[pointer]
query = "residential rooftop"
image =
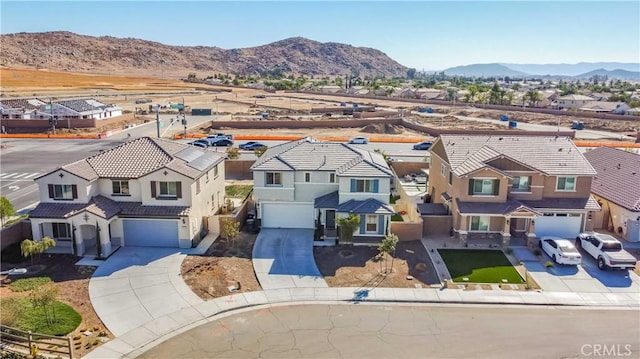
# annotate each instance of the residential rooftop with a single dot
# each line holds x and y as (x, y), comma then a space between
(618, 178)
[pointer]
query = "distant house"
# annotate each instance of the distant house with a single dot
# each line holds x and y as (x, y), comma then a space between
(20, 109)
(633, 111)
(572, 102)
(617, 189)
(605, 107)
(600, 96)
(430, 94)
(331, 89)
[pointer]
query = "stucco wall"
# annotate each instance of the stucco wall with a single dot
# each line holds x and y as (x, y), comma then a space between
(436, 225)
(407, 231)
(15, 233)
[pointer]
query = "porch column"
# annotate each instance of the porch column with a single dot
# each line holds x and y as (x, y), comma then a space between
(531, 233)
(506, 232)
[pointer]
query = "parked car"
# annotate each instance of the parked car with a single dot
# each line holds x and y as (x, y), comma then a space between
(222, 142)
(607, 250)
(424, 145)
(562, 251)
(220, 135)
(359, 140)
(252, 145)
(199, 143)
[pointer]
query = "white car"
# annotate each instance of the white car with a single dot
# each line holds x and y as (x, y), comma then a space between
(562, 251)
(359, 140)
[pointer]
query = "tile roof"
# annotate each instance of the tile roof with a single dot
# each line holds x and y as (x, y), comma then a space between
(142, 156)
(81, 105)
(536, 207)
(618, 178)
(588, 203)
(28, 104)
(551, 155)
(367, 206)
(575, 98)
(106, 208)
(500, 208)
(433, 209)
(307, 155)
(329, 200)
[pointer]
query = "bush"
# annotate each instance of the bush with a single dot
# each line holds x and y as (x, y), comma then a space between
(23, 285)
(549, 264)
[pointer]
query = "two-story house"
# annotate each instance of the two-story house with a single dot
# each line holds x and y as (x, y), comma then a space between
(525, 186)
(305, 183)
(146, 192)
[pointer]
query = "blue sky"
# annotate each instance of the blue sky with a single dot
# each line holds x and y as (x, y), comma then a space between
(426, 35)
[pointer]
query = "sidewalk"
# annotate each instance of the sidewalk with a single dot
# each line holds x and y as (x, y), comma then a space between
(140, 339)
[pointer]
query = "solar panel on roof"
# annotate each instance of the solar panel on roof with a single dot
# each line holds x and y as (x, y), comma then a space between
(188, 154)
(204, 161)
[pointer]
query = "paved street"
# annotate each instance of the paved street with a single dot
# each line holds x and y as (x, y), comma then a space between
(407, 331)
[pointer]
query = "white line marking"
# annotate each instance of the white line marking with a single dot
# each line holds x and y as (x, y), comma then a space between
(21, 175)
(33, 175)
(7, 175)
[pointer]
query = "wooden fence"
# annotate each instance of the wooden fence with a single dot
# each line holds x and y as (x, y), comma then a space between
(19, 341)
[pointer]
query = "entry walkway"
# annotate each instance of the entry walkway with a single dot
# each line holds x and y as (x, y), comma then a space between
(283, 258)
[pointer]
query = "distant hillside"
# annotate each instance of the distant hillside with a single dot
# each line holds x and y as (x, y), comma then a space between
(67, 51)
(572, 69)
(615, 74)
(483, 70)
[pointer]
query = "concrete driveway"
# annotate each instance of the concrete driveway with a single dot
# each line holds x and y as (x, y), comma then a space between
(585, 278)
(137, 285)
(283, 258)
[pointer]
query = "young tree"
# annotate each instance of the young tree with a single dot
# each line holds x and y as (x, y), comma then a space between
(230, 230)
(30, 248)
(233, 153)
(6, 209)
(45, 297)
(348, 225)
(388, 248)
(259, 151)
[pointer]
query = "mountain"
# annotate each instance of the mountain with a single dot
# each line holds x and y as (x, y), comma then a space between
(67, 51)
(483, 70)
(614, 74)
(571, 69)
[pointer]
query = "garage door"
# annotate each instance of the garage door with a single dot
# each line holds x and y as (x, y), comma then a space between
(289, 215)
(558, 226)
(153, 233)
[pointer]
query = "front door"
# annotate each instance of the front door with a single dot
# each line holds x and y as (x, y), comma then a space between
(331, 219)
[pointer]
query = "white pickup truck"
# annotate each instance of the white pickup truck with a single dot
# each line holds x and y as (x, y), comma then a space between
(607, 250)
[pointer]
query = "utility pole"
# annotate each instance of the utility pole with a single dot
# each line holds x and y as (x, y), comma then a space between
(53, 120)
(158, 121)
(184, 118)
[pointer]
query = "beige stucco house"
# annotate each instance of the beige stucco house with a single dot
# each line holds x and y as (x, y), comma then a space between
(522, 186)
(146, 192)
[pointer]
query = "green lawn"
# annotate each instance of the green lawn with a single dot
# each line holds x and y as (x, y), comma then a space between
(20, 313)
(238, 191)
(480, 266)
(23, 285)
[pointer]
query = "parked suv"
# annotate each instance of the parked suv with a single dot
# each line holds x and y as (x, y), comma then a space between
(607, 250)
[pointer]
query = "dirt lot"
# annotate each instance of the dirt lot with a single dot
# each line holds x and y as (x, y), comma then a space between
(73, 288)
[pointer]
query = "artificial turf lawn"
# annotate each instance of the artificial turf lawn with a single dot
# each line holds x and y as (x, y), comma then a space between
(480, 266)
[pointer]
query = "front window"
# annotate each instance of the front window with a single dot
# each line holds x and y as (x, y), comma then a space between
(307, 177)
(274, 179)
(480, 223)
(62, 191)
(332, 178)
(443, 169)
(363, 186)
(61, 231)
(485, 187)
(168, 189)
(521, 184)
(372, 223)
(120, 188)
(566, 184)
(206, 176)
(215, 172)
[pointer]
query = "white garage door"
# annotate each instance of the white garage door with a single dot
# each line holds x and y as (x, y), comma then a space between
(152, 233)
(558, 226)
(289, 215)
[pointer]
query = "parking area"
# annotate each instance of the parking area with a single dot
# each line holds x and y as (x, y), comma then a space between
(584, 278)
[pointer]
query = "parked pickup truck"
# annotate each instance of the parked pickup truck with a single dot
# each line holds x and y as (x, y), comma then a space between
(220, 135)
(607, 250)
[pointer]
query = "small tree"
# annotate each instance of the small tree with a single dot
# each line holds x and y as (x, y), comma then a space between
(230, 230)
(30, 248)
(44, 297)
(233, 153)
(348, 225)
(6, 209)
(388, 248)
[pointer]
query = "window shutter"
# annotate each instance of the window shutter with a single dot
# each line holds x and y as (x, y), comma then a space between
(496, 187)
(380, 224)
(153, 189)
(353, 185)
(74, 191)
(51, 194)
(363, 220)
(375, 186)
(471, 182)
(198, 186)
(179, 189)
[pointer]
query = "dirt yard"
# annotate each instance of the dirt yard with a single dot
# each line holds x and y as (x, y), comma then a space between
(351, 266)
(73, 288)
(219, 271)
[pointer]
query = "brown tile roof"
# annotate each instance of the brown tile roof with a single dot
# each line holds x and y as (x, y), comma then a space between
(551, 155)
(618, 178)
(536, 207)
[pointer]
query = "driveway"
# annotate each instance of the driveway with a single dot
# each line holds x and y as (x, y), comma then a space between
(137, 285)
(283, 258)
(585, 278)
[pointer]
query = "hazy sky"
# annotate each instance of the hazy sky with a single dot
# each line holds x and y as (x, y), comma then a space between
(426, 35)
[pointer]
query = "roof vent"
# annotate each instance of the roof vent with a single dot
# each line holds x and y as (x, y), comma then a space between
(619, 166)
(500, 138)
(560, 149)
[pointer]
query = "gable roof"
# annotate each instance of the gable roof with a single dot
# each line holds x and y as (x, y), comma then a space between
(305, 155)
(142, 156)
(575, 98)
(618, 178)
(367, 206)
(551, 155)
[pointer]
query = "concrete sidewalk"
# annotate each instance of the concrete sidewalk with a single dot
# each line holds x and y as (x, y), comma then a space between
(140, 339)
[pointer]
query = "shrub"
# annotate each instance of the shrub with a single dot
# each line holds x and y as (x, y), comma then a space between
(23, 285)
(549, 264)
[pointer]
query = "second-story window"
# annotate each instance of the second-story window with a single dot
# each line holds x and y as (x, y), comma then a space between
(450, 178)
(521, 184)
(215, 171)
(274, 179)
(168, 189)
(364, 185)
(120, 188)
(307, 177)
(63, 191)
(332, 178)
(566, 184)
(484, 187)
(443, 170)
